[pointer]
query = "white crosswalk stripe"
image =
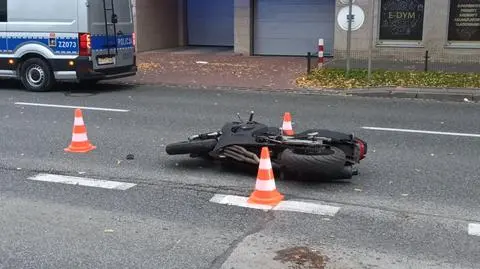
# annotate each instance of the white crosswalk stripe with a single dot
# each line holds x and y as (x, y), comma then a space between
(288, 205)
(88, 182)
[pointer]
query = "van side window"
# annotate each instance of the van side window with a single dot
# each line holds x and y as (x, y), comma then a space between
(3, 10)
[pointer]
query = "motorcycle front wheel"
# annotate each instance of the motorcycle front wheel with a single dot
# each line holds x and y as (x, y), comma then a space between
(198, 147)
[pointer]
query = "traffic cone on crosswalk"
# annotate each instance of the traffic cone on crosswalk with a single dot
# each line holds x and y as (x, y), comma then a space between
(287, 128)
(265, 190)
(80, 142)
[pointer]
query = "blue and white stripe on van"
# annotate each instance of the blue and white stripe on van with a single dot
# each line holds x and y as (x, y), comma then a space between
(122, 42)
(57, 43)
(60, 43)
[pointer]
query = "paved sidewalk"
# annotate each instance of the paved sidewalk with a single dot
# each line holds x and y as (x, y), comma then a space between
(221, 69)
(214, 67)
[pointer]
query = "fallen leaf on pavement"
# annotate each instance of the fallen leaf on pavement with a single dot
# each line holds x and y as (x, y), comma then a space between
(148, 66)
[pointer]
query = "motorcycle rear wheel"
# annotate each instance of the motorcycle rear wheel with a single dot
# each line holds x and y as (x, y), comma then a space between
(330, 163)
(198, 147)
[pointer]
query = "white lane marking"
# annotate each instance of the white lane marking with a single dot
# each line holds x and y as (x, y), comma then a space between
(474, 229)
(420, 131)
(81, 107)
(88, 182)
(309, 208)
(237, 201)
(294, 206)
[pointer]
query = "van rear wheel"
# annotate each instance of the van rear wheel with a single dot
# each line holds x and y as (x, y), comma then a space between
(36, 75)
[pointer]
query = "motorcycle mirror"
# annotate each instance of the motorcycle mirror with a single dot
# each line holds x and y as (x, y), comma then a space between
(251, 116)
(240, 118)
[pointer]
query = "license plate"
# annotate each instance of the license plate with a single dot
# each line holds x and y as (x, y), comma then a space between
(106, 60)
(127, 55)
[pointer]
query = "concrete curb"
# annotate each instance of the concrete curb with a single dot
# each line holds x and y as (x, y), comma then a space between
(460, 95)
(456, 95)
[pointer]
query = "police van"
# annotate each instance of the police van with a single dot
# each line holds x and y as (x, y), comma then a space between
(45, 41)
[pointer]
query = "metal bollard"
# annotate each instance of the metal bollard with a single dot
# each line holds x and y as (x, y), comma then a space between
(309, 62)
(426, 61)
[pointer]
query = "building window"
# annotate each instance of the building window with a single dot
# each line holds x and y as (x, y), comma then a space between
(464, 20)
(401, 20)
(3, 10)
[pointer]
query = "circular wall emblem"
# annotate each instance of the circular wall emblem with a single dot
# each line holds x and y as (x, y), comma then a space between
(358, 18)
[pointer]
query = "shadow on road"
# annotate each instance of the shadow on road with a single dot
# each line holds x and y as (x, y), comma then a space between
(197, 165)
(73, 89)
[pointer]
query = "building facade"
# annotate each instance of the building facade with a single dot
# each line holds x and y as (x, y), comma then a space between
(293, 27)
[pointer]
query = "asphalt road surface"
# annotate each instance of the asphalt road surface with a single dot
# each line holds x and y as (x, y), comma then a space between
(415, 203)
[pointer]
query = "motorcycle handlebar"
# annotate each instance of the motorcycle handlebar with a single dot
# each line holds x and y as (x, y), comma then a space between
(204, 136)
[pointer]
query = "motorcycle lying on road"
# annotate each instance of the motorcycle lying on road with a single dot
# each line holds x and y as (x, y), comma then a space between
(325, 153)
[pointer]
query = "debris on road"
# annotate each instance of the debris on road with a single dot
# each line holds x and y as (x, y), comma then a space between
(302, 258)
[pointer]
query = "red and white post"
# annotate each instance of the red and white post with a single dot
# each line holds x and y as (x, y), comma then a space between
(320, 52)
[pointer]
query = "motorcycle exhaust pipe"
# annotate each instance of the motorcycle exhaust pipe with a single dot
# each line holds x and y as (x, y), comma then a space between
(238, 157)
(245, 152)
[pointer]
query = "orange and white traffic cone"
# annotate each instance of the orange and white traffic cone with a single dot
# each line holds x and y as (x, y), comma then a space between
(265, 190)
(287, 124)
(80, 142)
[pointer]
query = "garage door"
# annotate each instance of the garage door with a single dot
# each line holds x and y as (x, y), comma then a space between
(210, 22)
(292, 27)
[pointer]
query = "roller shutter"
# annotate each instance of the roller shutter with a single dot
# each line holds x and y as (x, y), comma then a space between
(292, 27)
